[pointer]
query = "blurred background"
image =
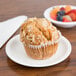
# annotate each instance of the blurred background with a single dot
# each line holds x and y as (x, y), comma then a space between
(12, 8)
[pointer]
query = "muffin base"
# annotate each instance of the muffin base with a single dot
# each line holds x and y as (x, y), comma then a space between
(41, 53)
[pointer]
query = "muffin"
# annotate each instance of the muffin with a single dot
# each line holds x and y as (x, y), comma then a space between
(39, 37)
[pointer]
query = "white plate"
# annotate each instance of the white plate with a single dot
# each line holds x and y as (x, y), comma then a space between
(15, 51)
(58, 23)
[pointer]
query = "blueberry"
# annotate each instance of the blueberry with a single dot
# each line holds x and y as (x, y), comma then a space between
(61, 13)
(58, 14)
(59, 18)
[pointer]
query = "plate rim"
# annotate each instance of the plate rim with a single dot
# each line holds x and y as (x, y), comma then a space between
(27, 65)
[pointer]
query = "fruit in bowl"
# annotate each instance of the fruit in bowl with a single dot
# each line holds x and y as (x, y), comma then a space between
(63, 14)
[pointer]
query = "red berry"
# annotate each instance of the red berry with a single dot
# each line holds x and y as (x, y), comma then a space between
(67, 17)
(62, 8)
(66, 20)
(72, 11)
(72, 14)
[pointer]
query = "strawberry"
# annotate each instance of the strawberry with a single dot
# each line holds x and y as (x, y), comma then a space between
(67, 17)
(72, 11)
(62, 8)
(72, 14)
(66, 20)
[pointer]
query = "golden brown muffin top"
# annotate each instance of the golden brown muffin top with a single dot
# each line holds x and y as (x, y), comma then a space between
(36, 31)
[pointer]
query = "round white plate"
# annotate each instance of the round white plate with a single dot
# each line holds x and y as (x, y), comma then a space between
(58, 23)
(15, 51)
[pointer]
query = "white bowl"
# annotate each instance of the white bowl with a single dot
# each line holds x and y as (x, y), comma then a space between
(58, 23)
